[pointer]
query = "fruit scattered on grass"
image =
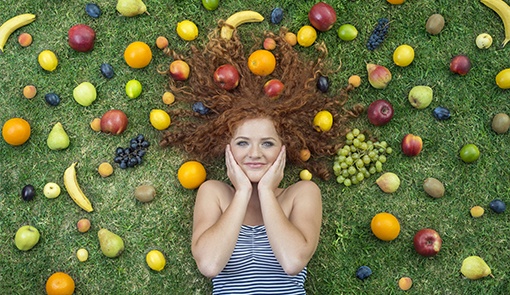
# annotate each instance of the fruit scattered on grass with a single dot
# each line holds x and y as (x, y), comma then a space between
(405, 283)
(29, 91)
(107, 70)
(16, 131)
(133, 88)
(403, 55)
(354, 80)
(378, 76)
(81, 38)
(389, 182)
(82, 254)
(159, 119)
(187, 30)
(60, 283)
(269, 44)
(261, 62)
(28, 192)
(378, 34)
(155, 260)
(434, 24)
(211, 4)
(304, 154)
(138, 55)
(323, 121)
(52, 99)
(396, 2)
(191, 174)
(363, 272)
(323, 83)
(114, 122)
(85, 93)
(95, 124)
(276, 16)
(290, 38)
(162, 42)
(47, 60)
(168, 98)
(441, 113)
(199, 107)
(433, 187)
(483, 41)
(83, 225)
(105, 169)
(179, 70)
(25, 39)
(469, 153)
(476, 211)
(497, 205)
(305, 174)
(132, 155)
(500, 123)
(131, 8)
(347, 32)
(93, 10)
(145, 193)
(306, 36)
(385, 226)
(322, 16)
(51, 190)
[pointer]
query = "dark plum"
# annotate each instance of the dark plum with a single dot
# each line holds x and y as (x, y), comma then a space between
(93, 10)
(276, 15)
(52, 99)
(200, 108)
(28, 192)
(323, 84)
(441, 113)
(497, 206)
(363, 272)
(107, 70)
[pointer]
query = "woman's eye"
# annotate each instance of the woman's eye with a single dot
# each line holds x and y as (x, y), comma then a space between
(242, 143)
(268, 144)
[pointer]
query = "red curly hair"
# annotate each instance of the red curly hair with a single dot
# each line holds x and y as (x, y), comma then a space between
(205, 136)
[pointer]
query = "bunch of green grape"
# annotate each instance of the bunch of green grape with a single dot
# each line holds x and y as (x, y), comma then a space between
(359, 158)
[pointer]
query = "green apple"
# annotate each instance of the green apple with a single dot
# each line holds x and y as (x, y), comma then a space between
(26, 237)
(469, 153)
(58, 138)
(51, 190)
(133, 88)
(347, 32)
(85, 94)
(420, 96)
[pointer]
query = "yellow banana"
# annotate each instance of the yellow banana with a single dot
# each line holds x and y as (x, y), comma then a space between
(74, 190)
(503, 10)
(237, 19)
(12, 25)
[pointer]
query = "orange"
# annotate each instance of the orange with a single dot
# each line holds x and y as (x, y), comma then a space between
(60, 283)
(385, 226)
(138, 55)
(191, 174)
(16, 131)
(261, 62)
(396, 1)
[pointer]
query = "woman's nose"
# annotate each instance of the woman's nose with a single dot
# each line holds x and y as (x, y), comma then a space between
(254, 152)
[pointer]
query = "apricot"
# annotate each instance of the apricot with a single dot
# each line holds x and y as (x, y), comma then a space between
(168, 97)
(162, 42)
(476, 211)
(95, 124)
(83, 225)
(405, 283)
(25, 39)
(355, 81)
(29, 91)
(291, 38)
(304, 154)
(269, 44)
(105, 169)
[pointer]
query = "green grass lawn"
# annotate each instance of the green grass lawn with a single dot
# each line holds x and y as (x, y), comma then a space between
(165, 224)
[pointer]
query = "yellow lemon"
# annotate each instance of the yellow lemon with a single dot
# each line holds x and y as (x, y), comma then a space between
(305, 174)
(323, 121)
(159, 119)
(155, 260)
(503, 79)
(306, 36)
(48, 60)
(403, 55)
(187, 30)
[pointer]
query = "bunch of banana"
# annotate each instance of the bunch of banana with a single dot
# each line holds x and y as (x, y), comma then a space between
(503, 10)
(12, 25)
(237, 19)
(74, 190)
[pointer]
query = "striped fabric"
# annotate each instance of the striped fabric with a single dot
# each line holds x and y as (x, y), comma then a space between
(253, 268)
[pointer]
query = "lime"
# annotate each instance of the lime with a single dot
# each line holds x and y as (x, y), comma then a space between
(347, 32)
(133, 88)
(469, 153)
(211, 4)
(403, 55)
(159, 119)
(48, 60)
(323, 121)
(155, 260)
(187, 30)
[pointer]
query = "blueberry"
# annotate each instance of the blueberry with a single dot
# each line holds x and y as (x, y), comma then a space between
(140, 138)
(132, 162)
(441, 113)
(200, 108)
(276, 15)
(93, 10)
(107, 70)
(119, 151)
(28, 192)
(123, 165)
(52, 99)
(323, 84)
(497, 206)
(363, 272)
(141, 153)
(117, 159)
(145, 144)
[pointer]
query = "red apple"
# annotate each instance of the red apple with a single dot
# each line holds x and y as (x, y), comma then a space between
(226, 77)
(411, 145)
(273, 88)
(460, 64)
(380, 112)
(114, 122)
(81, 37)
(179, 70)
(427, 242)
(322, 16)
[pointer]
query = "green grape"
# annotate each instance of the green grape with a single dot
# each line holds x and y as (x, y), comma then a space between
(355, 132)
(345, 173)
(378, 166)
(351, 170)
(372, 169)
(344, 152)
(356, 142)
(382, 150)
(363, 170)
(361, 137)
(389, 150)
(340, 179)
(353, 149)
(336, 168)
(341, 159)
(349, 136)
(364, 146)
(360, 176)
(360, 163)
(366, 159)
(348, 142)
(349, 160)
(354, 180)
(372, 154)
(355, 156)
(344, 165)
(369, 142)
(383, 144)
(347, 182)
(367, 174)
(382, 159)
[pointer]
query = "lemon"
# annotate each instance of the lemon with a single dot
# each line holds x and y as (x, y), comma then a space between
(159, 119)
(323, 121)
(187, 30)
(403, 55)
(155, 260)
(306, 36)
(503, 79)
(305, 174)
(48, 60)
(133, 88)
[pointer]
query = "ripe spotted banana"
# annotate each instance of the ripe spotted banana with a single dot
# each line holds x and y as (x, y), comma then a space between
(237, 19)
(12, 25)
(74, 190)
(503, 10)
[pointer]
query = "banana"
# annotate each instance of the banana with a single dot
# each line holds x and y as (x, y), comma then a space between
(503, 10)
(237, 19)
(12, 25)
(74, 190)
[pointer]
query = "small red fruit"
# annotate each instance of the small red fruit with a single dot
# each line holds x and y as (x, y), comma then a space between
(273, 88)
(81, 37)
(460, 64)
(114, 122)
(226, 77)
(427, 242)
(411, 145)
(179, 70)
(380, 112)
(322, 16)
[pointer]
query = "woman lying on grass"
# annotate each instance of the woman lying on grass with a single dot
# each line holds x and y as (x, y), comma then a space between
(250, 235)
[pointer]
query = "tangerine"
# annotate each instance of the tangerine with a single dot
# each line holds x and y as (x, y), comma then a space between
(261, 62)
(191, 174)
(138, 55)
(385, 226)
(396, 1)
(60, 283)
(16, 131)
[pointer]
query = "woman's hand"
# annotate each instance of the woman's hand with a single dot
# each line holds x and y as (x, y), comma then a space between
(272, 178)
(234, 172)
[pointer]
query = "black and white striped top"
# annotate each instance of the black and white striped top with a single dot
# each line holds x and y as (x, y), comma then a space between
(253, 268)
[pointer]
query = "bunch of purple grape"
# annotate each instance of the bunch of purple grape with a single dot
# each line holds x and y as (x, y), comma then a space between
(378, 34)
(132, 155)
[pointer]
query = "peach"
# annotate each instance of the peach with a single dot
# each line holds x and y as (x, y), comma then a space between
(269, 44)
(304, 154)
(25, 39)
(83, 225)
(29, 91)
(405, 283)
(291, 38)
(179, 70)
(355, 81)
(161, 42)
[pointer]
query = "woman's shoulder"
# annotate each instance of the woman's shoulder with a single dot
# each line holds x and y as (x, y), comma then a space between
(305, 186)
(212, 185)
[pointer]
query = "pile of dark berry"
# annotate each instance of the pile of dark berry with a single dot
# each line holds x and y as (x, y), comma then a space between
(132, 155)
(378, 34)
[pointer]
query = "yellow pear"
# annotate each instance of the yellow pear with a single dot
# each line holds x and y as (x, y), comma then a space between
(111, 244)
(131, 7)
(475, 268)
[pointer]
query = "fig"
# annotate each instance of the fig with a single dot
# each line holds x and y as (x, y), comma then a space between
(145, 193)
(435, 24)
(433, 187)
(500, 123)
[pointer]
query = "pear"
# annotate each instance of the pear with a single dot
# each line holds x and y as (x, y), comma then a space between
(475, 268)
(111, 244)
(389, 182)
(58, 138)
(131, 7)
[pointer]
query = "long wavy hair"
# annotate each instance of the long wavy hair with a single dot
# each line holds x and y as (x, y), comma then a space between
(205, 136)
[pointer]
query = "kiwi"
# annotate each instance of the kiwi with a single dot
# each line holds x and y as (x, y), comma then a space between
(433, 187)
(145, 193)
(501, 123)
(435, 24)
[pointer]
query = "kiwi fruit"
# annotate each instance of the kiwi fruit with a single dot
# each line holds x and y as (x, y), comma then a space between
(435, 24)
(433, 187)
(145, 193)
(501, 123)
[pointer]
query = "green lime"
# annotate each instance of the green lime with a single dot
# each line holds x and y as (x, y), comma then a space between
(133, 88)
(211, 4)
(469, 153)
(347, 32)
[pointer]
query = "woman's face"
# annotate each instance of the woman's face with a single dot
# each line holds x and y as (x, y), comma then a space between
(255, 146)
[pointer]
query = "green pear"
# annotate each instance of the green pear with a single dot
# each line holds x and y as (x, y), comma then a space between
(131, 7)
(475, 268)
(420, 96)
(58, 138)
(111, 244)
